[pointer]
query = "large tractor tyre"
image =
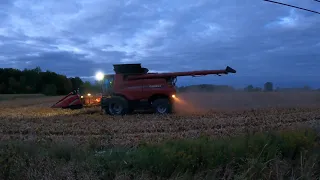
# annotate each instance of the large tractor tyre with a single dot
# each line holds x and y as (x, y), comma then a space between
(162, 106)
(117, 106)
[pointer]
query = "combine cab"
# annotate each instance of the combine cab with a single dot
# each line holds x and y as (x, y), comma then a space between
(76, 101)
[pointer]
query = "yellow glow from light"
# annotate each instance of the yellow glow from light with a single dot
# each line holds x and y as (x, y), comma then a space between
(99, 76)
(81, 96)
(174, 96)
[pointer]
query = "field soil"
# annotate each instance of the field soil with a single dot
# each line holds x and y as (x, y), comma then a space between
(213, 114)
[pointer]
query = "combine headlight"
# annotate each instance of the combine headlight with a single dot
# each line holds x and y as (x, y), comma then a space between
(173, 96)
(89, 94)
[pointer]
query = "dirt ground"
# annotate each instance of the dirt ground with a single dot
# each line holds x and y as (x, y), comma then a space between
(213, 114)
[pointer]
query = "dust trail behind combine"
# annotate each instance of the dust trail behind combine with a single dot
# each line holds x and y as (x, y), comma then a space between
(192, 102)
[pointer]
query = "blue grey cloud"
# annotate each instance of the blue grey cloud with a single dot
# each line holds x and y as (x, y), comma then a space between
(261, 40)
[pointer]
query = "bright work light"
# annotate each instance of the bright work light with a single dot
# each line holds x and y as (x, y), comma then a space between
(99, 76)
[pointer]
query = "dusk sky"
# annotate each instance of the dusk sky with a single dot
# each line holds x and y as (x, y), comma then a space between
(261, 40)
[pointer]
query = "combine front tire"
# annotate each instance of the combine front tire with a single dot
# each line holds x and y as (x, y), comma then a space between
(117, 106)
(162, 106)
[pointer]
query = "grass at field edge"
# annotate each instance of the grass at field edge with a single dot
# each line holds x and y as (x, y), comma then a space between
(273, 155)
(20, 96)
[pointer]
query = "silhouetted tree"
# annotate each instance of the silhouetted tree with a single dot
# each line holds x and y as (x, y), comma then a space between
(50, 89)
(35, 81)
(257, 89)
(249, 88)
(76, 82)
(268, 86)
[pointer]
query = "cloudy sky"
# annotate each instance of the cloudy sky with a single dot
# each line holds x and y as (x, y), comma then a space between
(261, 40)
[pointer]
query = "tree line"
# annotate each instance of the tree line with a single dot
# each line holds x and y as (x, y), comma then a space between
(34, 81)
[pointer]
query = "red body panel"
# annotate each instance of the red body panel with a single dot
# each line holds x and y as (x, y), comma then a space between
(132, 90)
(156, 86)
(141, 88)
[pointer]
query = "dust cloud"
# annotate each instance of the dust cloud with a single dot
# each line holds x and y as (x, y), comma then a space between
(194, 102)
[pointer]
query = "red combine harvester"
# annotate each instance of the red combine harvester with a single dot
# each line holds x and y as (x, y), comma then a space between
(132, 88)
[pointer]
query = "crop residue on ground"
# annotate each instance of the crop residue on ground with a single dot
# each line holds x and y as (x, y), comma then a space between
(30, 119)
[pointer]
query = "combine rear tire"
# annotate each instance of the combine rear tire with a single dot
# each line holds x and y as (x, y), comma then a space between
(117, 106)
(162, 106)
